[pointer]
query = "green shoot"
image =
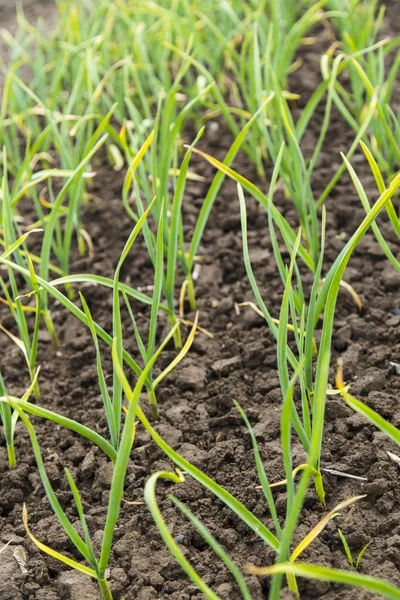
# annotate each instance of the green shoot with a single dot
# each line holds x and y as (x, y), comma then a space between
(348, 552)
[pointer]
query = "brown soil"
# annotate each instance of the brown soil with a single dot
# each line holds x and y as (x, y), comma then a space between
(197, 414)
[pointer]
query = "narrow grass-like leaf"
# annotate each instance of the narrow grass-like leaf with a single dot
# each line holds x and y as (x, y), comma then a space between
(361, 130)
(371, 584)
(361, 553)
(344, 256)
(158, 283)
(61, 516)
(381, 187)
(270, 321)
(346, 547)
(53, 291)
(109, 283)
(253, 522)
(100, 375)
(373, 417)
(262, 476)
(185, 349)
(217, 182)
(117, 322)
(21, 240)
(138, 337)
(366, 205)
(122, 460)
(172, 545)
(53, 553)
(314, 533)
(79, 508)
(217, 548)
(287, 389)
(44, 413)
(327, 301)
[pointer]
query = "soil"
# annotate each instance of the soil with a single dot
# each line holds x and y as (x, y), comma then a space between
(197, 416)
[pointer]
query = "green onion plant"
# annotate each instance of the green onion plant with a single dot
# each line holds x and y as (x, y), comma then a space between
(118, 83)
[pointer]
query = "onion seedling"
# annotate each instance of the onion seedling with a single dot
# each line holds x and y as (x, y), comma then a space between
(310, 571)
(353, 563)
(359, 28)
(98, 566)
(13, 243)
(9, 417)
(373, 417)
(326, 301)
(112, 406)
(27, 341)
(257, 526)
(313, 391)
(358, 24)
(172, 221)
(293, 170)
(107, 74)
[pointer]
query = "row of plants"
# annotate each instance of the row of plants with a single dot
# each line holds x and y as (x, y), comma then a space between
(124, 79)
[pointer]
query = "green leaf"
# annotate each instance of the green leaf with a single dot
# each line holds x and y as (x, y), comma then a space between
(361, 553)
(79, 507)
(172, 545)
(373, 417)
(371, 584)
(251, 521)
(346, 547)
(218, 549)
(262, 476)
(61, 516)
(82, 430)
(53, 553)
(101, 377)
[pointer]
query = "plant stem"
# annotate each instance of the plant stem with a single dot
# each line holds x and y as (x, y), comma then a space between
(36, 389)
(153, 405)
(177, 334)
(12, 460)
(69, 290)
(50, 327)
(319, 487)
(105, 589)
(191, 293)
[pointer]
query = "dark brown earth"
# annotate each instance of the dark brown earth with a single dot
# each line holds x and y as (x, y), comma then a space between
(197, 414)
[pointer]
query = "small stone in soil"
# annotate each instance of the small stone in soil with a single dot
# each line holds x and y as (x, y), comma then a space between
(259, 256)
(391, 278)
(393, 321)
(224, 366)
(8, 570)
(395, 368)
(104, 475)
(372, 380)
(88, 465)
(195, 455)
(191, 377)
(225, 306)
(169, 433)
(179, 538)
(78, 586)
(376, 488)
